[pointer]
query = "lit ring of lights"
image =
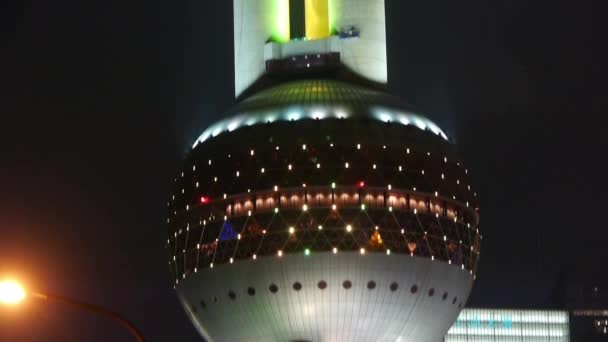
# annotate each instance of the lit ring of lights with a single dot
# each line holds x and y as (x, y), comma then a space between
(316, 113)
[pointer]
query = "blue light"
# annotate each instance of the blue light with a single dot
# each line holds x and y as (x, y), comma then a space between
(228, 232)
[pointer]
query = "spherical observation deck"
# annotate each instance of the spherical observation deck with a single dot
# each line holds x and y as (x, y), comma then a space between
(323, 211)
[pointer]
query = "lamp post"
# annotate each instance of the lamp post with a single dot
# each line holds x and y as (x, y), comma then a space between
(12, 293)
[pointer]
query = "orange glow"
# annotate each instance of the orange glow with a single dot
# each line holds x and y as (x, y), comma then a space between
(376, 240)
(372, 200)
(412, 246)
(11, 292)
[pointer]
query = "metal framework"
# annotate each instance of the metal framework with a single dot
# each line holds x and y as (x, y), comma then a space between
(275, 196)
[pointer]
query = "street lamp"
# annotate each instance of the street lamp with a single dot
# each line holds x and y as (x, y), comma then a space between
(12, 293)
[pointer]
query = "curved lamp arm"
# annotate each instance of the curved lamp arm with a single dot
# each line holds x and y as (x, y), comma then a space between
(94, 309)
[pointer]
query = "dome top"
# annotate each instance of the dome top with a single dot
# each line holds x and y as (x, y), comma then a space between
(317, 100)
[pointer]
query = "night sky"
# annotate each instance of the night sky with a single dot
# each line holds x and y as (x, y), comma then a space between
(100, 101)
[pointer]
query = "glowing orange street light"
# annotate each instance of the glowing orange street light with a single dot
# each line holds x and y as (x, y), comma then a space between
(13, 293)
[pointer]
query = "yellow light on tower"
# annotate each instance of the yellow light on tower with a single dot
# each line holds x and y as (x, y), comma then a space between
(317, 19)
(11, 292)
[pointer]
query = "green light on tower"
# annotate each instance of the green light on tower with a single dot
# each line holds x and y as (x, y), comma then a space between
(333, 16)
(307, 252)
(280, 16)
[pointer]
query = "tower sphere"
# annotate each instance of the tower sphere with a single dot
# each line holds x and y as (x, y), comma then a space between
(322, 209)
(249, 258)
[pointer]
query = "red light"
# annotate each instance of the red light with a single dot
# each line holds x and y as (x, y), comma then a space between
(361, 184)
(205, 200)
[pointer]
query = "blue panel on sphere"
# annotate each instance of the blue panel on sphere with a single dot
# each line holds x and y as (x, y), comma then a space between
(228, 232)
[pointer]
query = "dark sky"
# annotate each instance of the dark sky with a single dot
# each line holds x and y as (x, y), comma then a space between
(99, 101)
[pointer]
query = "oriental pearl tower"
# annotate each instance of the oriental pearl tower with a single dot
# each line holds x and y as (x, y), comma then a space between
(320, 208)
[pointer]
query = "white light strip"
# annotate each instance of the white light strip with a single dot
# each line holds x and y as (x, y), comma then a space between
(529, 332)
(315, 113)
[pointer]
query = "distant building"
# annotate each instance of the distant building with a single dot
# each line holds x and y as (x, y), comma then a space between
(492, 325)
(587, 301)
(579, 312)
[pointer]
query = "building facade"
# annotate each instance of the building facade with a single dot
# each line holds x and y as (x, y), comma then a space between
(493, 325)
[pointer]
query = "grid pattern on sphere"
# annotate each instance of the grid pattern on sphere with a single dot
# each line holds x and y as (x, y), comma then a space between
(316, 92)
(436, 218)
